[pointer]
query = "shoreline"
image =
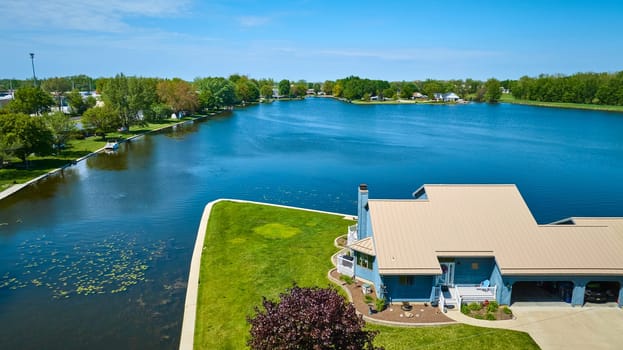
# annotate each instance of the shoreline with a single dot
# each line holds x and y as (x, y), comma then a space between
(563, 105)
(18, 187)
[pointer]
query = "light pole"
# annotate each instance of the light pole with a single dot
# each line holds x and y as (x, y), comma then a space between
(32, 61)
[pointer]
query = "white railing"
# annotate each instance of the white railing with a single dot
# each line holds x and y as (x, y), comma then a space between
(442, 300)
(472, 292)
(352, 234)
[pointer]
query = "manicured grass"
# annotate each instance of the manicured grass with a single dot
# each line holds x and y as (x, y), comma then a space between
(508, 98)
(73, 150)
(252, 251)
(459, 336)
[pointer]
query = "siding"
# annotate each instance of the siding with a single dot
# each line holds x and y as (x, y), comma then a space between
(419, 291)
(464, 274)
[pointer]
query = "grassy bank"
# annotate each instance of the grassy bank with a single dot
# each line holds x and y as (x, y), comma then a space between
(508, 98)
(17, 173)
(253, 250)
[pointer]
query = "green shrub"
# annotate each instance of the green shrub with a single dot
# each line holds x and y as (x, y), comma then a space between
(347, 279)
(489, 316)
(478, 316)
(367, 298)
(465, 309)
(379, 304)
(493, 306)
(475, 306)
(506, 310)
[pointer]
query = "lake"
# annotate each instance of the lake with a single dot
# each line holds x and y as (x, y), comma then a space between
(98, 256)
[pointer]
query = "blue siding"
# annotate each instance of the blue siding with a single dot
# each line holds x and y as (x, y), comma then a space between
(464, 274)
(503, 292)
(362, 272)
(419, 290)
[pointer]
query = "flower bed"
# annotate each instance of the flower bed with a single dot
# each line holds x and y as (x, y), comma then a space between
(487, 311)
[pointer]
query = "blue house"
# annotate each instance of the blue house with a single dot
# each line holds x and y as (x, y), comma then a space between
(460, 243)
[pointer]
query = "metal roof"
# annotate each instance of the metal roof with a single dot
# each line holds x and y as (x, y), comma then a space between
(365, 246)
(489, 221)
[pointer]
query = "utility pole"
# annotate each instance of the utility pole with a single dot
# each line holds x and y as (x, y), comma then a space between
(32, 61)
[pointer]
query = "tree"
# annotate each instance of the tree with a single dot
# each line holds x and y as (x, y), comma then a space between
(308, 318)
(56, 86)
(31, 100)
(493, 90)
(102, 119)
(25, 135)
(78, 104)
(215, 92)
(128, 97)
(178, 94)
(327, 87)
(284, 87)
(61, 126)
(246, 90)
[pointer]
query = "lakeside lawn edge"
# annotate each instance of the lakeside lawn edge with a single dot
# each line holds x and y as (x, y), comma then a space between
(19, 186)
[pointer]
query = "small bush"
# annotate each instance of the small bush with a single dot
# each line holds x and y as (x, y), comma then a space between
(479, 316)
(346, 279)
(379, 304)
(474, 306)
(506, 310)
(367, 298)
(489, 316)
(465, 309)
(493, 306)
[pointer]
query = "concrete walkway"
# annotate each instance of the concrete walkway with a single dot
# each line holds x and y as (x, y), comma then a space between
(561, 327)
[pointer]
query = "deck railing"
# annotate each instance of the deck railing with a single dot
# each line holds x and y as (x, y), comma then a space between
(352, 234)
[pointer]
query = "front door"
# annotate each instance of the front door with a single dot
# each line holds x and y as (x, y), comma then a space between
(447, 274)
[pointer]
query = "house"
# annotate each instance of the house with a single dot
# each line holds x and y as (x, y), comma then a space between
(450, 97)
(453, 244)
(419, 96)
(437, 96)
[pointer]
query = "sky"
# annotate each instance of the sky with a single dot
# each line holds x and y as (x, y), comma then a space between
(311, 40)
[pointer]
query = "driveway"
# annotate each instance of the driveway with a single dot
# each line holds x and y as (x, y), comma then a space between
(562, 327)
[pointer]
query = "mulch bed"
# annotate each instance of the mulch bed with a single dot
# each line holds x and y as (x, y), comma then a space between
(421, 313)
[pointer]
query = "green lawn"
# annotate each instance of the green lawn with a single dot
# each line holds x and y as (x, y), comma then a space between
(510, 99)
(459, 336)
(253, 250)
(75, 149)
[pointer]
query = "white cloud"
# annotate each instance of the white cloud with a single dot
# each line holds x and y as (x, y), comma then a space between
(253, 21)
(85, 15)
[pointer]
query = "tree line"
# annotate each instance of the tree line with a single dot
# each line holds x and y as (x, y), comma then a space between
(589, 88)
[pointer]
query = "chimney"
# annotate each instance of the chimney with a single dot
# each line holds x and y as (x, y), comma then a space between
(362, 212)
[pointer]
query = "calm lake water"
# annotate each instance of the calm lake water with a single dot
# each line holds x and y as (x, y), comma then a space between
(98, 257)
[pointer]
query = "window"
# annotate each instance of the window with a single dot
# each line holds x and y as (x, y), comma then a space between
(475, 266)
(365, 260)
(406, 280)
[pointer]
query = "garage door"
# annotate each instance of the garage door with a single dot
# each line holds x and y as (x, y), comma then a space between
(541, 291)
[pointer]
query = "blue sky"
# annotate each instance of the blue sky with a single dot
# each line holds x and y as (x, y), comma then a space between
(311, 40)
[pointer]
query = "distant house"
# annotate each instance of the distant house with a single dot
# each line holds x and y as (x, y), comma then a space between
(310, 92)
(453, 244)
(438, 96)
(450, 97)
(419, 96)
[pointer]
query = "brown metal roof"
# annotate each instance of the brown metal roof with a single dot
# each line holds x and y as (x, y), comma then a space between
(487, 221)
